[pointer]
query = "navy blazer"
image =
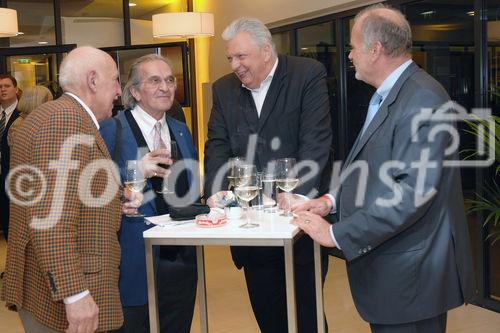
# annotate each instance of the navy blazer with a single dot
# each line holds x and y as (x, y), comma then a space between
(5, 150)
(133, 282)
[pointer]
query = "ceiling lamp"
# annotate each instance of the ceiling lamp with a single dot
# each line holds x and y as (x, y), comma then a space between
(183, 24)
(8, 22)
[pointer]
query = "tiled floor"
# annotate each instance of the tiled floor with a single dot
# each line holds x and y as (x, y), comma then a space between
(230, 312)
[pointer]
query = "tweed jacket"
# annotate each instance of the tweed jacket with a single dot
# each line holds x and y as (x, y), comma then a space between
(76, 246)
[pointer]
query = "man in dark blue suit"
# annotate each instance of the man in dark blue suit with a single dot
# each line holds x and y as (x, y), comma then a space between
(145, 131)
(8, 114)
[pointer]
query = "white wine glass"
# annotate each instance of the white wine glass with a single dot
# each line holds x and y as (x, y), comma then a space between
(174, 156)
(232, 163)
(134, 181)
(286, 179)
(246, 189)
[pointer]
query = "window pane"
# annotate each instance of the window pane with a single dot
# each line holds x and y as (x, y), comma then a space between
(318, 42)
(98, 23)
(141, 26)
(282, 41)
(493, 36)
(36, 22)
(38, 69)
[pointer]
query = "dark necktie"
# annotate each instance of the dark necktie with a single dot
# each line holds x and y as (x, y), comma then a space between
(2, 125)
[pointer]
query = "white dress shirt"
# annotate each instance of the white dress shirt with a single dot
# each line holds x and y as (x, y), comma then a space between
(259, 94)
(147, 125)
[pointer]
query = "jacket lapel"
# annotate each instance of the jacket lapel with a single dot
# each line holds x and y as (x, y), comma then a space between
(180, 137)
(92, 128)
(381, 114)
(247, 108)
(274, 91)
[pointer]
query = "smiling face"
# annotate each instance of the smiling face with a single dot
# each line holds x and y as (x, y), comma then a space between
(8, 93)
(155, 93)
(248, 61)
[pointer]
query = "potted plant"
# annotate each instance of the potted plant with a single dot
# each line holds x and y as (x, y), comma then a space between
(489, 201)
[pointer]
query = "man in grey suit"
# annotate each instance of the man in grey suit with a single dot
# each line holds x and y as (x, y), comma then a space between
(405, 240)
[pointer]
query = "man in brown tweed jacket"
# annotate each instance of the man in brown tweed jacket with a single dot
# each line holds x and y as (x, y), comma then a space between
(63, 252)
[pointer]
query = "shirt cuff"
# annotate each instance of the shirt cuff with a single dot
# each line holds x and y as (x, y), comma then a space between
(75, 298)
(333, 239)
(334, 203)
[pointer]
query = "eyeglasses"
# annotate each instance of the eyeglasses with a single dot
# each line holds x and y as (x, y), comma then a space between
(154, 82)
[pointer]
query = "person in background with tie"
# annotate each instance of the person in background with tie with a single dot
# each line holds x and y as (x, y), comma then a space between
(408, 263)
(32, 98)
(8, 114)
(145, 131)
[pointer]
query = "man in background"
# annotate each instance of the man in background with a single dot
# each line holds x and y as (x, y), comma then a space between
(8, 114)
(406, 242)
(283, 101)
(146, 126)
(63, 254)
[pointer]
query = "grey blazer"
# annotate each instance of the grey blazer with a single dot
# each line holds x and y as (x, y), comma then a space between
(405, 262)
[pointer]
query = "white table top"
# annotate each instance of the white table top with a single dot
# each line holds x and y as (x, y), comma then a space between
(271, 226)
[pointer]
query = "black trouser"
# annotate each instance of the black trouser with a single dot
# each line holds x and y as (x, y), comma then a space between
(432, 325)
(267, 292)
(176, 286)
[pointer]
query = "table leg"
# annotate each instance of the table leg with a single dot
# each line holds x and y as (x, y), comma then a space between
(319, 288)
(154, 320)
(290, 287)
(202, 289)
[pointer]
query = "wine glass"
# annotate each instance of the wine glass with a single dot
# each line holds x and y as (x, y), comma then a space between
(232, 163)
(286, 179)
(246, 188)
(134, 181)
(174, 156)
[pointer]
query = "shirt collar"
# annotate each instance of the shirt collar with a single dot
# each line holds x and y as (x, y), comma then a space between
(146, 120)
(268, 78)
(390, 81)
(9, 109)
(85, 106)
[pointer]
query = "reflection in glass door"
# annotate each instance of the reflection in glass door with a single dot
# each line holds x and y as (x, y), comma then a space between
(35, 69)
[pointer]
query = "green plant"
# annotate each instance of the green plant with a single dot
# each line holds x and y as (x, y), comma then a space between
(489, 202)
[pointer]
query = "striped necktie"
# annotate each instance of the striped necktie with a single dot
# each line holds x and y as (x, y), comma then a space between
(2, 125)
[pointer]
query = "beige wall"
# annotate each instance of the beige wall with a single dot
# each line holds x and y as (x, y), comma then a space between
(271, 12)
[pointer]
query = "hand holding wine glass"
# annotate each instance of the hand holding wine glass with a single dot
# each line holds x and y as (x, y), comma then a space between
(134, 181)
(246, 189)
(287, 178)
(174, 157)
(232, 163)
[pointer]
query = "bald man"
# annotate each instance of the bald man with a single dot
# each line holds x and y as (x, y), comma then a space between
(63, 253)
(407, 252)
